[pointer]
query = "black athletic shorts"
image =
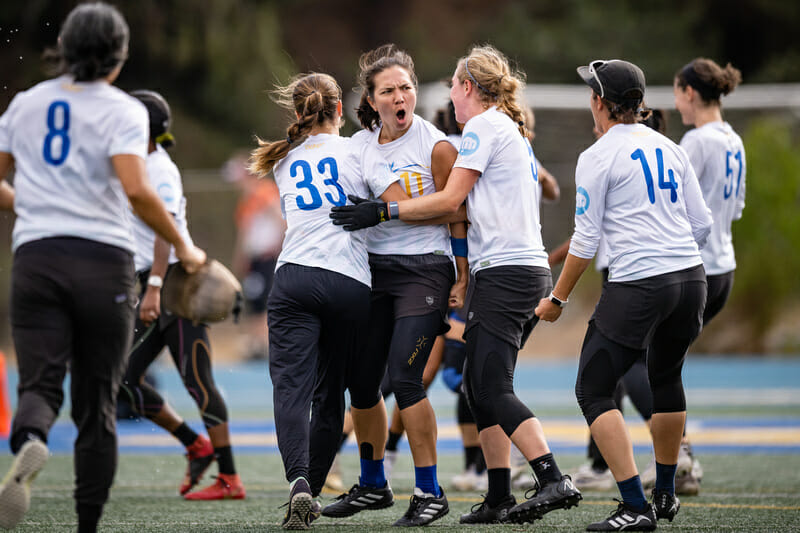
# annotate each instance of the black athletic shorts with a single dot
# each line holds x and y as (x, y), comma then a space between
(629, 312)
(504, 299)
(418, 284)
(719, 288)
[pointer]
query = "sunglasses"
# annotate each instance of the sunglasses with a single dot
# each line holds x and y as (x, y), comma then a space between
(593, 72)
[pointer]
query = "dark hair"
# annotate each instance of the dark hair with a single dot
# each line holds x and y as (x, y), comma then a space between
(497, 83)
(371, 64)
(92, 43)
(315, 98)
(709, 79)
(657, 121)
(629, 112)
(160, 116)
(445, 119)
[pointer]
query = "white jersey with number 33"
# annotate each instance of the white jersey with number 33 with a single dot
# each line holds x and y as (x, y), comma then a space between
(314, 177)
(62, 136)
(636, 188)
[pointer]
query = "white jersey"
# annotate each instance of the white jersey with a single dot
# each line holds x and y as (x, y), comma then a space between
(638, 190)
(503, 206)
(409, 157)
(166, 180)
(62, 136)
(314, 177)
(717, 155)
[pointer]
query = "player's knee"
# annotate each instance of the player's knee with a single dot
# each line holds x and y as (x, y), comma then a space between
(510, 412)
(408, 391)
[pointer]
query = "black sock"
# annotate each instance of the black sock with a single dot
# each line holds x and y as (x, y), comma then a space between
(23, 436)
(599, 464)
(546, 469)
(185, 434)
(88, 517)
(480, 462)
(499, 485)
(224, 456)
(391, 442)
(471, 456)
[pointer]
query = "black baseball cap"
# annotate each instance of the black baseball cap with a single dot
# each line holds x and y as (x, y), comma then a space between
(160, 116)
(615, 80)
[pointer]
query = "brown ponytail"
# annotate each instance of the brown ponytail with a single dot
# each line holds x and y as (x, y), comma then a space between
(709, 79)
(314, 98)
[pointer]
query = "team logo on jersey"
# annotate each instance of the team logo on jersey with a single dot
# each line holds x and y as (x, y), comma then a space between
(166, 193)
(398, 168)
(581, 201)
(469, 144)
(429, 300)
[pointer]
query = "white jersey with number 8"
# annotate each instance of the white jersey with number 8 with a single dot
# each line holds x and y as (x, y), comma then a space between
(62, 136)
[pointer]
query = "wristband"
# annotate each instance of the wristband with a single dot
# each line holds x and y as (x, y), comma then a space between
(459, 246)
(155, 281)
(556, 300)
(394, 210)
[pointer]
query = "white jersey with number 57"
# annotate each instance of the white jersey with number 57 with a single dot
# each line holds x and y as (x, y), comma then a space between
(637, 188)
(312, 178)
(62, 136)
(717, 156)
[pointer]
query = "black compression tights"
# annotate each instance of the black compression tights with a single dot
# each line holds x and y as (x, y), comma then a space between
(190, 350)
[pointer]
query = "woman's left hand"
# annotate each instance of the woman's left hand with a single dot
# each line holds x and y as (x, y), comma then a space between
(547, 310)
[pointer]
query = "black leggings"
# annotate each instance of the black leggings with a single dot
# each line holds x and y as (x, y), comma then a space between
(190, 350)
(489, 381)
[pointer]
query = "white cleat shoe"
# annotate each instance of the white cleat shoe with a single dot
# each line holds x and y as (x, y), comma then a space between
(15, 491)
(587, 478)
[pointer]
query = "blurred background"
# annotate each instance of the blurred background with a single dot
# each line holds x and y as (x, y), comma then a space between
(216, 60)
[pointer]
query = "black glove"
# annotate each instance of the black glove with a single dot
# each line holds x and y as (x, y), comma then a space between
(363, 214)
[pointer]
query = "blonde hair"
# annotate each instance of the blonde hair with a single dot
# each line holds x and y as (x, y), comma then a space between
(372, 63)
(314, 97)
(496, 82)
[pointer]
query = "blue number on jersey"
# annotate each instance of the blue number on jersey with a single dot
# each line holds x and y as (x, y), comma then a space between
(534, 166)
(667, 184)
(726, 192)
(54, 131)
(330, 162)
(308, 183)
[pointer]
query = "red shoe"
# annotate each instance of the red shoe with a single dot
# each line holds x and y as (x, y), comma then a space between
(227, 487)
(200, 455)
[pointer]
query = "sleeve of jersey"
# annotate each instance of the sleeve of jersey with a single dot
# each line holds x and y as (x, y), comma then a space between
(5, 126)
(696, 209)
(166, 180)
(737, 214)
(694, 149)
(130, 133)
(590, 198)
(376, 171)
(476, 148)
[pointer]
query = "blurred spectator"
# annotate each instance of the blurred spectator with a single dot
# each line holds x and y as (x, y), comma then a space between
(260, 229)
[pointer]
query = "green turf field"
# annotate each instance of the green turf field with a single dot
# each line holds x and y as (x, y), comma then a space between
(739, 493)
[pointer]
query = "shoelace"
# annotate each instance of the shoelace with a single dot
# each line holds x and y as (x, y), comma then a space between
(344, 495)
(478, 506)
(533, 491)
(620, 508)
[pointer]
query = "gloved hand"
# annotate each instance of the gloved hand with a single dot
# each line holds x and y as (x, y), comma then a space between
(363, 214)
(452, 378)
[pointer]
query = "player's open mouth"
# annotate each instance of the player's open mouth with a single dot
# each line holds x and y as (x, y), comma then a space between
(401, 115)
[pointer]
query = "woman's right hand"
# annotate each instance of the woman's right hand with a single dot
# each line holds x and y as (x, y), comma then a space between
(191, 257)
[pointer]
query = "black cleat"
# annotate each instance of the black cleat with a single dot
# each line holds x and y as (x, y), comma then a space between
(666, 505)
(626, 519)
(552, 496)
(481, 513)
(303, 508)
(359, 499)
(424, 509)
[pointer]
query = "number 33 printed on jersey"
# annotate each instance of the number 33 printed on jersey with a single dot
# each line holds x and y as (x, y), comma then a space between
(307, 187)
